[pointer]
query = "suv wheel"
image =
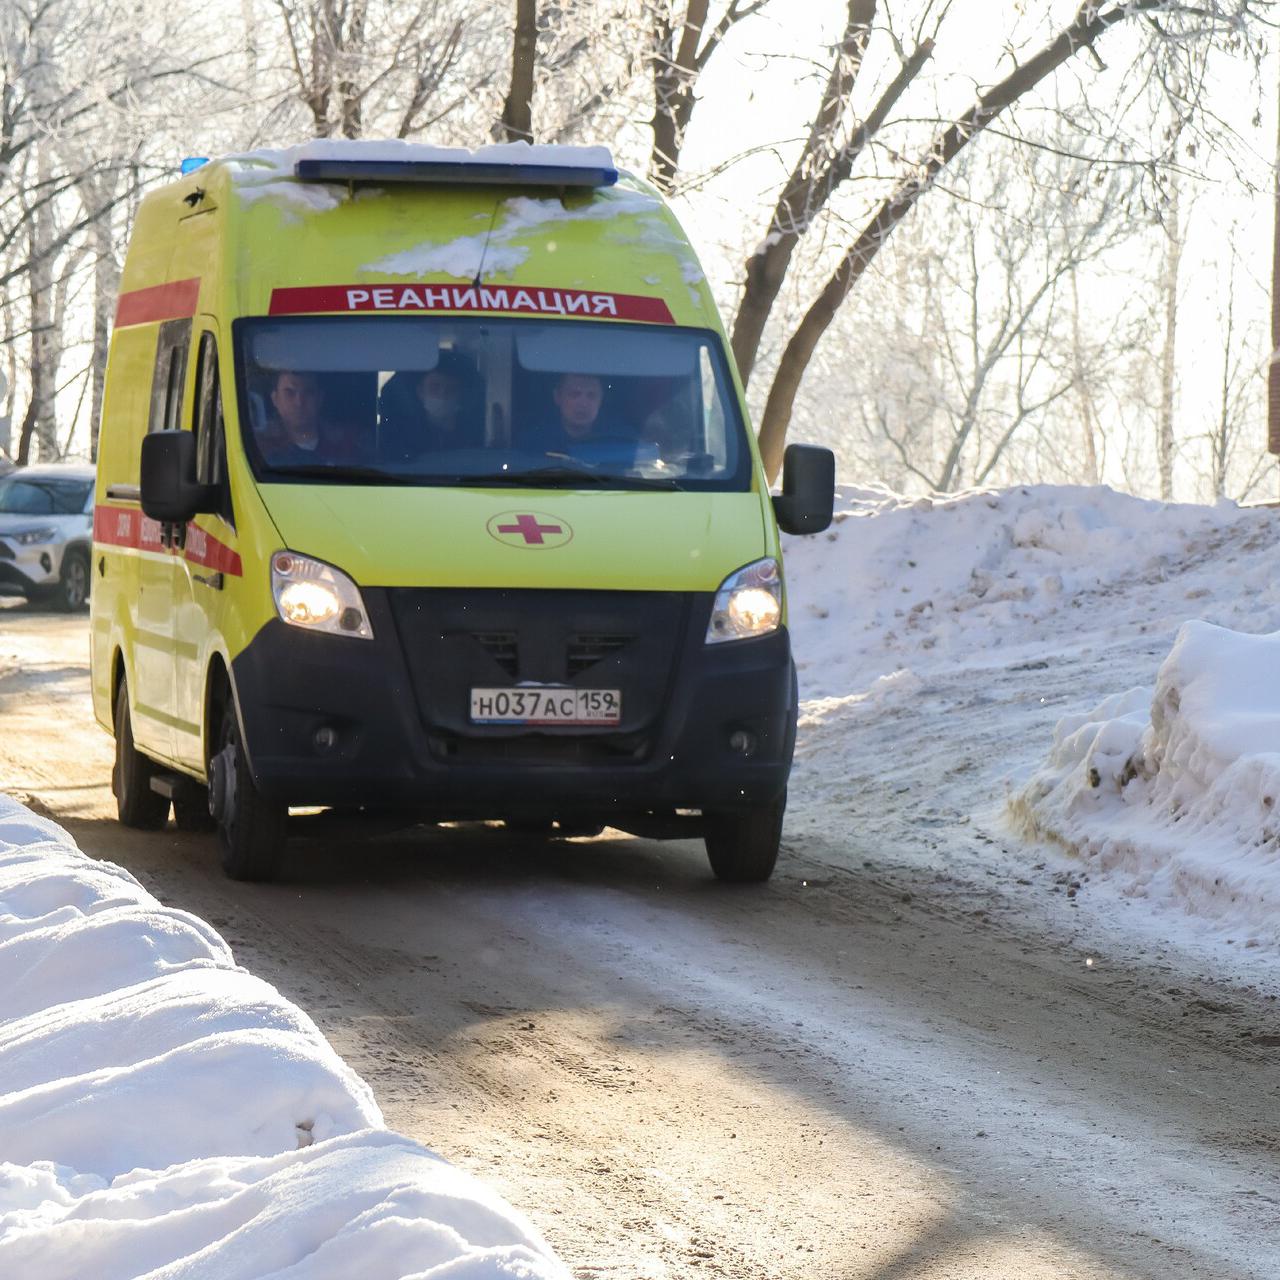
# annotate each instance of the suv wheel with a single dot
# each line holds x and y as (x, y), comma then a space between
(73, 585)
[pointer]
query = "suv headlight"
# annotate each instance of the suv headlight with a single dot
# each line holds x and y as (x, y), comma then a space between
(316, 596)
(749, 603)
(29, 537)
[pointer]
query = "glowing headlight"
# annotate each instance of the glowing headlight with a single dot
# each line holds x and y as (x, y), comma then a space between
(28, 537)
(749, 603)
(311, 594)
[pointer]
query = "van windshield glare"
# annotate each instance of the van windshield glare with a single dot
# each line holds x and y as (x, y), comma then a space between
(471, 401)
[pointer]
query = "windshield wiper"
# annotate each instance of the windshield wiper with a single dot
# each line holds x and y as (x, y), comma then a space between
(514, 479)
(531, 479)
(321, 471)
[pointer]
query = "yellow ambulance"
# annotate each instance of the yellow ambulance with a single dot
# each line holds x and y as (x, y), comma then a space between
(425, 489)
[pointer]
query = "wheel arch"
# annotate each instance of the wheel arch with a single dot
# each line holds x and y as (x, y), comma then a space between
(219, 695)
(117, 677)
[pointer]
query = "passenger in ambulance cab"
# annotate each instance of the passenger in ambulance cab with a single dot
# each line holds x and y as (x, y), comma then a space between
(428, 412)
(297, 431)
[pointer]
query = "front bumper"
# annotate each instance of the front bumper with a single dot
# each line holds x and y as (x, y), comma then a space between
(29, 569)
(384, 723)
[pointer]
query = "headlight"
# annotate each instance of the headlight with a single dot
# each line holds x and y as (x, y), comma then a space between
(29, 537)
(749, 603)
(311, 594)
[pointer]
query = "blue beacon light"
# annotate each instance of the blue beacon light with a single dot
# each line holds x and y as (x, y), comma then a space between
(192, 163)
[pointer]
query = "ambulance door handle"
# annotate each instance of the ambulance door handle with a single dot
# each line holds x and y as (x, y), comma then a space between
(102, 566)
(213, 580)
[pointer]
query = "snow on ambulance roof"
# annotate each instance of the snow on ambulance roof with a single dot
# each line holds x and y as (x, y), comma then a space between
(616, 250)
(162, 1110)
(516, 219)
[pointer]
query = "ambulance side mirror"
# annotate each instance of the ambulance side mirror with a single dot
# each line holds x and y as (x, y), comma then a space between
(808, 494)
(169, 490)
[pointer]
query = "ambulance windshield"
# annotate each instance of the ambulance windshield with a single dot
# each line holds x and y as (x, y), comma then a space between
(470, 401)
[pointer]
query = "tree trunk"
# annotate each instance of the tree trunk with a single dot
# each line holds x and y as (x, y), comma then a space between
(349, 100)
(1080, 385)
(1168, 357)
(45, 340)
(1273, 370)
(810, 185)
(1223, 434)
(1090, 23)
(517, 111)
(675, 72)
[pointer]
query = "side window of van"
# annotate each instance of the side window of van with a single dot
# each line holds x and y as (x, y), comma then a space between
(208, 425)
(169, 375)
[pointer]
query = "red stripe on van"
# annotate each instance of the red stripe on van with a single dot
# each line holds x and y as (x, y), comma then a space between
(158, 302)
(502, 299)
(126, 527)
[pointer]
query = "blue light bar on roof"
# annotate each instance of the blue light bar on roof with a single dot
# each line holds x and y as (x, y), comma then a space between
(456, 172)
(192, 163)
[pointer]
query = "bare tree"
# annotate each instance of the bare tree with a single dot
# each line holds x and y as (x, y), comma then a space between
(1000, 290)
(684, 40)
(1092, 21)
(354, 63)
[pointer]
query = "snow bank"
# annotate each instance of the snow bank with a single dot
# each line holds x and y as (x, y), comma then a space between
(938, 583)
(1174, 793)
(164, 1113)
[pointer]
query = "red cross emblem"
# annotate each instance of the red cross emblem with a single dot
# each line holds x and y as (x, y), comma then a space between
(529, 529)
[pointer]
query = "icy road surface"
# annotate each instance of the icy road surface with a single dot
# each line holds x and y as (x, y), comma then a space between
(924, 1051)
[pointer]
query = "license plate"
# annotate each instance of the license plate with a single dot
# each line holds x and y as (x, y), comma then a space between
(546, 706)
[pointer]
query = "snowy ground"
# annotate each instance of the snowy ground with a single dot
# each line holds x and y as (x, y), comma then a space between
(164, 1113)
(998, 653)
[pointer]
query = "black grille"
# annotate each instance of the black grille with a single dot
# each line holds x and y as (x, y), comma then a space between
(585, 651)
(501, 647)
(456, 640)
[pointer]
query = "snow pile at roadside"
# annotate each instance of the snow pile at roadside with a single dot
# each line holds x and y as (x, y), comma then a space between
(1176, 794)
(164, 1113)
(938, 583)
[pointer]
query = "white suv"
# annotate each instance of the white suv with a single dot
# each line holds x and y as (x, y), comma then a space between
(46, 533)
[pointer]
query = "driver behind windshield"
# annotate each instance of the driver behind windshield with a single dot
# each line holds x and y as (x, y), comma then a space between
(298, 431)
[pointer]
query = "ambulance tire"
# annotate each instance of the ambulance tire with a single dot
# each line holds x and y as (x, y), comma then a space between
(743, 847)
(191, 812)
(531, 828)
(251, 830)
(136, 804)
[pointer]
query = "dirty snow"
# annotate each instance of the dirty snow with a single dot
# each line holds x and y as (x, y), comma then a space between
(941, 640)
(1171, 792)
(164, 1113)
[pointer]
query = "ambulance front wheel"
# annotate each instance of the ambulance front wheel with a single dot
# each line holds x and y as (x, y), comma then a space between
(191, 812)
(136, 804)
(743, 847)
(251, 829)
